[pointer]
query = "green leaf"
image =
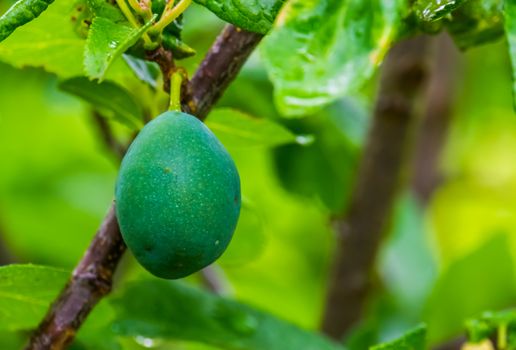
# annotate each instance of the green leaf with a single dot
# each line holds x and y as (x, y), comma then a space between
(326, 168)
(107, 41)
(179, 49)
(55, 41)
(510, 32)
(236, 129)
(96, 331)
(252, 15)
(49, 41)
(146, 71)
(477, 22)
(248, 241)
(26, 292)
(407, 263)
(322, 50)
(486, 325)
(22, 12)
(172, 310)
(107, 97)
(102, 8)
(469, 286)
(434, 10)
(412, 340)
(12, 340)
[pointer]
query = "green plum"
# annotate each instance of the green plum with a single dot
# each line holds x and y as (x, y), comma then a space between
(177, 196)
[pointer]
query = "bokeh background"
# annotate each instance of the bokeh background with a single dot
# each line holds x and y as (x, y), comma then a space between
(443, 260)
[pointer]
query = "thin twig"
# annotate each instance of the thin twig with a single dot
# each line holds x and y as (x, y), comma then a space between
(92, 278)
(214, 280)
(170, 14)
(360, 230)
(107, 136)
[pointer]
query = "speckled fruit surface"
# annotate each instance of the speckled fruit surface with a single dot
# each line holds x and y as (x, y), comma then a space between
(177, 196)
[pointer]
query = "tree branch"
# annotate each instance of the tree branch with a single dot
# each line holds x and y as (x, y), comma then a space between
(218, 69)
(165, 62)
(436, 120)
(92, 278)
(90, 281)
(360, 230)
(107, 136)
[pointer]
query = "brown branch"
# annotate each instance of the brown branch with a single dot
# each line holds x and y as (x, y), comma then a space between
(436, 120)
(107, 136)
(165, 62)
(90, 281)
(219, 68)
(360, 230)
(92, 278)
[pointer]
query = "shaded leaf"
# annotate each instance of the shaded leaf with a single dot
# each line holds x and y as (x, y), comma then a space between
(510, 32)
(179, 49)
(107, 41)
(412, 340)
(325, 168)
(102, 8)
(146, 71)
(108, 97)
(22, 12)
(477, 22)
(26, 292)
(489, 322)
(96, 333)
(248, 240)
(470, 286)
(322, 50)
(433, 10)
(236, 129)
(406, 263)
(252, 15)
(12, 340)
(172, 310)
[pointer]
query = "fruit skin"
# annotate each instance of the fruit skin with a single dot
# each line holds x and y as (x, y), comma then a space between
(177, 196)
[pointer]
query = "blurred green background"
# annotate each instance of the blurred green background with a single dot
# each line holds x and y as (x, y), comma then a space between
(440, 264)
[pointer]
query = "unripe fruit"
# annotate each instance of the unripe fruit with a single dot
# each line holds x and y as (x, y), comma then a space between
(177, 196)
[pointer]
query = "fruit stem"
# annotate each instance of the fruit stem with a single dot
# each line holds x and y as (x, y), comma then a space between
(141, 8)
(176, 80)
(135, 5)
(171, 13)
(127, 13)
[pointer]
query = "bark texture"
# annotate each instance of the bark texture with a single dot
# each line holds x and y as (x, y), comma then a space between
(436, 120)
(404, 76)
